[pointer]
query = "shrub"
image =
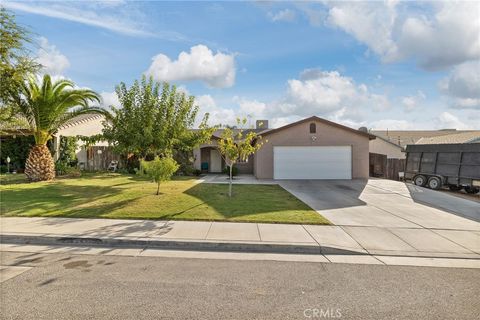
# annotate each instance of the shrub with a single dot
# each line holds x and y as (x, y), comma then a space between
(226, 170)
(197, 172)
(17, 149)
(159, 169)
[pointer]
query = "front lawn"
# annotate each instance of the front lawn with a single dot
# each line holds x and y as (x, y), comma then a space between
(133, 197)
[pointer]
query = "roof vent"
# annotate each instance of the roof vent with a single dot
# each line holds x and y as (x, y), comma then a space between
(363, 129)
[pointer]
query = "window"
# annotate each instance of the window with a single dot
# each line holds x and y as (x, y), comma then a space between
(313, 128)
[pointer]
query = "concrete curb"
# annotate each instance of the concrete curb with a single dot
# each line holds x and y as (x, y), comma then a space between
(208, 245)
(191, 245)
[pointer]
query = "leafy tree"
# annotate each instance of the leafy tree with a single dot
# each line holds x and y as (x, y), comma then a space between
(237, 145)
(154, 119)
(47, 105)
(15, 66)
(160, 169)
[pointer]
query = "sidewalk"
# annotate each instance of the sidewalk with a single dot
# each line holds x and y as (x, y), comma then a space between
(334, 241)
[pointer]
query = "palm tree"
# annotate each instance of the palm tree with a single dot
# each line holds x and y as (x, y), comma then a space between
(47, 105)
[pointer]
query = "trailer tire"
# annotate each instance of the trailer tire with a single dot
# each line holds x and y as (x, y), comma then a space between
(420, 180)
(471, 190)
(434, 183)
(453, 187)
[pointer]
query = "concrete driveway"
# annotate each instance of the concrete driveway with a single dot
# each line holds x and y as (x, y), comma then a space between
(386, 203)
(384, 216)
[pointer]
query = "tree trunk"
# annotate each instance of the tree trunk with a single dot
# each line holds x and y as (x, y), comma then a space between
(158, 188)
(39, 165)
(230, 184)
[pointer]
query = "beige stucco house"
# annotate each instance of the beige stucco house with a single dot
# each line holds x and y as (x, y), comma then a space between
(386, 147)
(312, 148)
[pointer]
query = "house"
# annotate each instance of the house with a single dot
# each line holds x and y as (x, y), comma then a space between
(386, 147)
(83, 125)
(312, 148)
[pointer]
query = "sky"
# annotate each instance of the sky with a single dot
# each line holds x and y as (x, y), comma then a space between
(380, 64)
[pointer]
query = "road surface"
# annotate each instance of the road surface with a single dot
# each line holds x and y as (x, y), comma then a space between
(66, 286)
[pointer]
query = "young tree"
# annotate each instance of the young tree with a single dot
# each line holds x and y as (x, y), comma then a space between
(236, 145)
(160, 169)
(46, 106)
(154, 120)
(16, 65)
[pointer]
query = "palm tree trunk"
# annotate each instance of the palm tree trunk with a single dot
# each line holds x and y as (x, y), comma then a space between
(40, 165)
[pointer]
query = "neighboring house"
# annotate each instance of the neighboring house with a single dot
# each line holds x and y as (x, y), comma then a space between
(464, 137)
(83, 125)
(312, 148)
(386, 147)
(406, 137)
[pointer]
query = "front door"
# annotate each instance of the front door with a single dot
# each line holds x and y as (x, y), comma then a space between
(215, 161)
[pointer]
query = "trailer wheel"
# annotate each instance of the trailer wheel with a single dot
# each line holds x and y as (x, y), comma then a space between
(420, 180)
(434, 183)
(453, 187)
(471, 190)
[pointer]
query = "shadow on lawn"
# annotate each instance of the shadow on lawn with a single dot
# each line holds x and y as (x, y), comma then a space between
(66, 200)
(246, 200)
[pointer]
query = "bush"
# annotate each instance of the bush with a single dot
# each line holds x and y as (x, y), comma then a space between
(17, 149)
(226, 170)
(159, 169)
(197, 172)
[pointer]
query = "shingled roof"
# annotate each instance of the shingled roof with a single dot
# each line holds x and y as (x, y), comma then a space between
(463, 137)
(405, 137)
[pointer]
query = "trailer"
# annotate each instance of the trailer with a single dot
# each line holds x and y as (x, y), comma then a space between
(455, 166)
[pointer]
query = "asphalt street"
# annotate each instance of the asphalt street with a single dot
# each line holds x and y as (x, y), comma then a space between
(61, 286)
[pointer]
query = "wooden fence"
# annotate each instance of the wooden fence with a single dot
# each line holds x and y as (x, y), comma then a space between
(99, 157)
(382, 167)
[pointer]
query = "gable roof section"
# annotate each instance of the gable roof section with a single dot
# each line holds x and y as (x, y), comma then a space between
(389, 142)
(83, 118)
(315, 118)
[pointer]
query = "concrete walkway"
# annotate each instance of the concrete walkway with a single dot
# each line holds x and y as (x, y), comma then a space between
(244, 237)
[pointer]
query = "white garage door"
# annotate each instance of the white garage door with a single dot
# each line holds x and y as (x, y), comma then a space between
(333, 162)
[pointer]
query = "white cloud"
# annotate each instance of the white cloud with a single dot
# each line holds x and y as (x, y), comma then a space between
(217, 115)
(114, 16)
(447, 120)
(324, 93)
(216, 70)
(439, 35)
(286, 15)
(392, 124)
(110, 99)
(369, 22)
(251, 108)
(462, 86)
(51, 59)
(412, 102)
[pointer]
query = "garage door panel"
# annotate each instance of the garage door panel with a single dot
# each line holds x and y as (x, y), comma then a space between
(328, 162)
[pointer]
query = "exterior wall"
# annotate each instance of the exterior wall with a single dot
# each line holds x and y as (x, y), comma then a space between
(381, 146)
(326, 135)
(202, 154)
(197, 162)
(246, 167)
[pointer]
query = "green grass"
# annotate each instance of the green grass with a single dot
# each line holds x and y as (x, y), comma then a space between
(132, 197)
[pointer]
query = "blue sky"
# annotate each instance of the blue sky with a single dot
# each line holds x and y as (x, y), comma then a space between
(395, 65)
